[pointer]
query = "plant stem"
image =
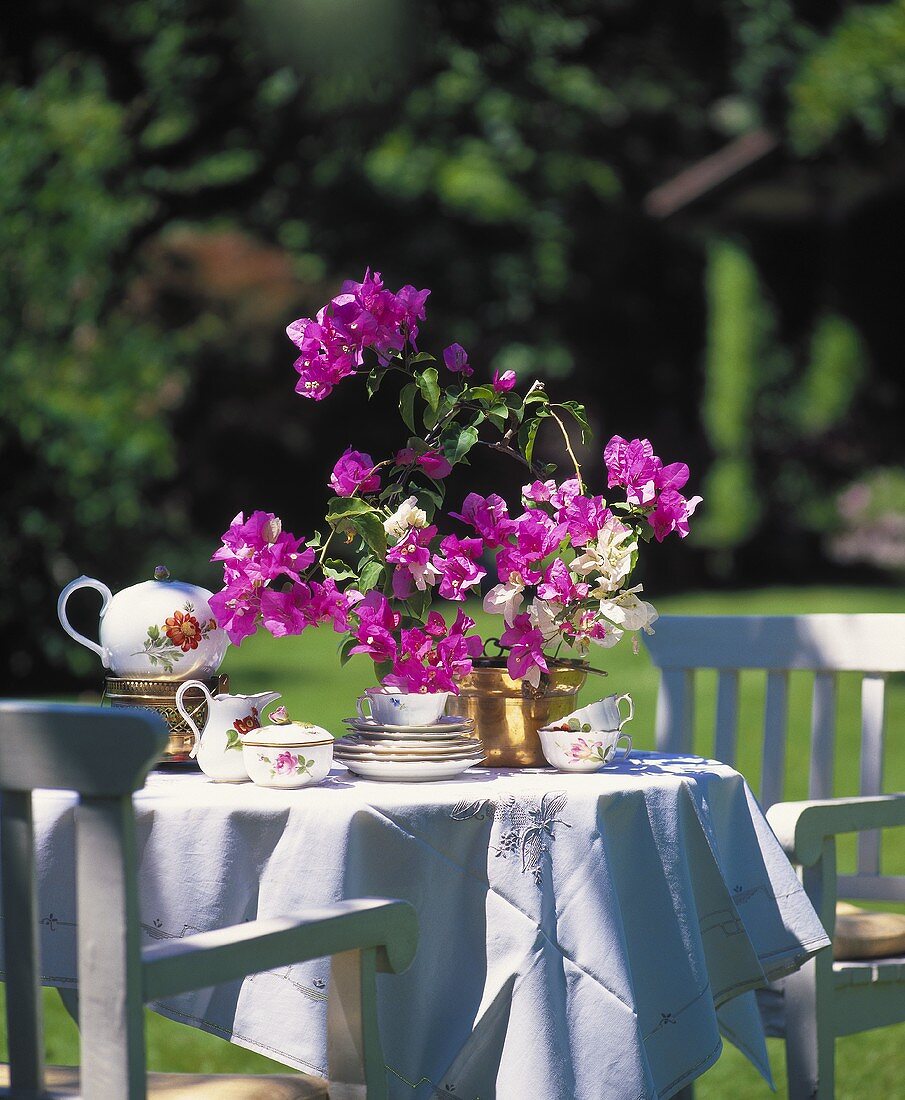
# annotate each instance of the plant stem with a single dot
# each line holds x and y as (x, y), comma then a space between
(565, 436)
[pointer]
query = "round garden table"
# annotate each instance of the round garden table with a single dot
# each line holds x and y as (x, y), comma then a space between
(581, 936)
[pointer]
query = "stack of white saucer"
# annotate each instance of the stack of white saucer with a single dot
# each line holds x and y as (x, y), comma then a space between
(409, 754)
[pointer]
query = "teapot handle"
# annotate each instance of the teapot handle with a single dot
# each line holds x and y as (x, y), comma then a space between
(84, 582)
(183, 688)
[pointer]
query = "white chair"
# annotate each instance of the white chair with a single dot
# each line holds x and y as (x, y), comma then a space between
(828, 996)
(105, 755)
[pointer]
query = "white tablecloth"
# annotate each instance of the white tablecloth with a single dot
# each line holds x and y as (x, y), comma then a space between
(582, 936)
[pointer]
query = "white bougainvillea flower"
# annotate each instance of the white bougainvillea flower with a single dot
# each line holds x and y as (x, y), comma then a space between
(505, 599)
(630, 612)
(407, 515)
(608, 560)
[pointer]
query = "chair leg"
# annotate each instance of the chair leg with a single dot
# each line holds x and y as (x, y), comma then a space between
(810, 1039)
(355, 1058)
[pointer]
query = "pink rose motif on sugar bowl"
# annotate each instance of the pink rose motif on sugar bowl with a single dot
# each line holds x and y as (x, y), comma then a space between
(160, 629)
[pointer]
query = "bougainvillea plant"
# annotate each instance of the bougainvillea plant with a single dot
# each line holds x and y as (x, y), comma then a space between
(563, 564)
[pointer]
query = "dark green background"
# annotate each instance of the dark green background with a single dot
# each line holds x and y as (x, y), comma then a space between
(181, 178)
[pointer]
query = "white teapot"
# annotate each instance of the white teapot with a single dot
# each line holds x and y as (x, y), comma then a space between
(159, 629)
(218, 747)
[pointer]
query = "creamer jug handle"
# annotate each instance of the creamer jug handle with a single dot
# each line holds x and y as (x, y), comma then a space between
(183, 688)
(84, 582)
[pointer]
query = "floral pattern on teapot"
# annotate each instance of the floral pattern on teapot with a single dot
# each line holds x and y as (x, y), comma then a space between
(181, 632)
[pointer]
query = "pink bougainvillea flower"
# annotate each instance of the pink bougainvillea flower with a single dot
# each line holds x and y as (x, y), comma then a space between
(411, 556)
(377, 622)
(671, 514)
(504, 382)
(258, 550)
(537, 535)
(456, 359)
(405, 457)
(584, 518)
(286, 613)
(673, 476)
(538, 492)
(434, 464)
(354, 472)
(559, 586)
(236, 611)
(409, 310)
(634, 467)
(488, 516)
(526, 650)
(329, 604)
(563, 496)
(458, 568)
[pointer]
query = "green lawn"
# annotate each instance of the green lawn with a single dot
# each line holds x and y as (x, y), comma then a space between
(307, 672)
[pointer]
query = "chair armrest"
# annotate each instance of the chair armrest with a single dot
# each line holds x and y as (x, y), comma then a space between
(801, 827)
(209, 958)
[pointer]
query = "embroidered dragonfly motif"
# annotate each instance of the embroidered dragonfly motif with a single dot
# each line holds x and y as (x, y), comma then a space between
(529, 826)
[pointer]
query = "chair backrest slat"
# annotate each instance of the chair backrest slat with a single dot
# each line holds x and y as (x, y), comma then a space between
(675, 710)
(20, 945)
(103, 755)
(726, 716)
(872, 644)
(773, 765)
(823, 735)
(873, 715)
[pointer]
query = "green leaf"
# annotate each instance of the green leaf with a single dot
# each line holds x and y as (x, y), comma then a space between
(526, 437)
(374, 379)
(341, 508)
(458, 443)
(481, 393)
(344, 650)
(578, 413)
(428, 383)
(370, 527)
(499, 418)
(371, 576)
(337, 569)
(538, 396)
(407, 405)
(423, 357)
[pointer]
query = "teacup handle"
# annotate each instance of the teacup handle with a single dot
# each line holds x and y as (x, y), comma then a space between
(360, 705)
(628, 748)
(83, 582)
(631, 709)
(183, 688)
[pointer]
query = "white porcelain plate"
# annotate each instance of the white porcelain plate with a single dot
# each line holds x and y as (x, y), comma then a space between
(375, 752)
(448, 726)
(399, 771)
(419, 744)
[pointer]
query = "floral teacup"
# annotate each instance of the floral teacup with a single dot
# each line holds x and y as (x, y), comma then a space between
(399, 708)
(582, 750)
(604, 714)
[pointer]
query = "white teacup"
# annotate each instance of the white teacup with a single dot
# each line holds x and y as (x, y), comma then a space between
(604, 714)
(400, 708)
(577, 751)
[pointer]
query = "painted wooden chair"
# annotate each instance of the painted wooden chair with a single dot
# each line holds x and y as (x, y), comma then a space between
(862, 984)
(105, 755)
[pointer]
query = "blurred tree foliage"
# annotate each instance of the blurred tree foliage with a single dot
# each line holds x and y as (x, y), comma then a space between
(183, 177)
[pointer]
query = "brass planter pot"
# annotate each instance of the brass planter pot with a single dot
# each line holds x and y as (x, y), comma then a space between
(508, 713)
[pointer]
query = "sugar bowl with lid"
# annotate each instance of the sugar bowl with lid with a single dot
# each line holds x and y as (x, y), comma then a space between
(287, 754)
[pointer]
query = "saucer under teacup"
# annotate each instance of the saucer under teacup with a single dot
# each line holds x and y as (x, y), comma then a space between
(447, 726)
